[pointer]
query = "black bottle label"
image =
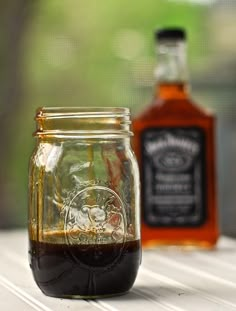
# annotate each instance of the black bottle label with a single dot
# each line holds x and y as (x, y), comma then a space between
(173, 176)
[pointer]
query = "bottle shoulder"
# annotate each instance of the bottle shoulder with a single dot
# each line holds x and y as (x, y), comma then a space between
(173, 109)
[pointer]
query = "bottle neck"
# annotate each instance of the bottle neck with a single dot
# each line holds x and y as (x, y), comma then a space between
(171, 72)
(171, 90)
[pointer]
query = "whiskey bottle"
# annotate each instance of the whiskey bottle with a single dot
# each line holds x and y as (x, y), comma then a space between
(174, 141)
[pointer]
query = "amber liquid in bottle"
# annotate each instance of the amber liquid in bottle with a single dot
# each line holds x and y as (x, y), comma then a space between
(174, 141)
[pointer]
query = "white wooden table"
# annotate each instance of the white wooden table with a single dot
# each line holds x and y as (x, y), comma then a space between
(168, 280)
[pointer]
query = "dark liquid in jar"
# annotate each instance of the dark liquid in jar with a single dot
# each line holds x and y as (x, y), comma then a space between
(62, 270)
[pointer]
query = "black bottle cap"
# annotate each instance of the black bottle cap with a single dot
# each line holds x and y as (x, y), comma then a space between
(174, 33)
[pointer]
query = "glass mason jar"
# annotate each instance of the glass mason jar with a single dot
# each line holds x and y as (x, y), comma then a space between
(84, 217)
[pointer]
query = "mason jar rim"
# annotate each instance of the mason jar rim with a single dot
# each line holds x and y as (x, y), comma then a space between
(83, 122)
(80, 112)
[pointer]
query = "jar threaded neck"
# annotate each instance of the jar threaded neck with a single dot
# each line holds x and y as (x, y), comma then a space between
(76, 122)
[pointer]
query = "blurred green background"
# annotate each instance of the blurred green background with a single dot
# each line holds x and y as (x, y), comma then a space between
(101, 53)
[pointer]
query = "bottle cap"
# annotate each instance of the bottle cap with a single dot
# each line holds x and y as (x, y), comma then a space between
(174, 33)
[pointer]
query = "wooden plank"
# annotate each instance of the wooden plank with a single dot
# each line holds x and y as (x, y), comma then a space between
(175, 293)
(203, 265)
(7, 294)
(192, 279)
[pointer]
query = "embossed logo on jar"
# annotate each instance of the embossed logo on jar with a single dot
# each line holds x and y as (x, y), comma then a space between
(96, 217)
